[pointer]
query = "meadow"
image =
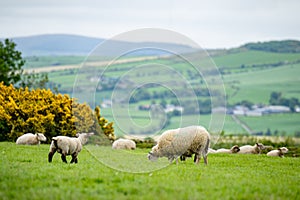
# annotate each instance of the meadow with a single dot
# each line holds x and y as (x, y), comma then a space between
(247, 75)
(26, 174)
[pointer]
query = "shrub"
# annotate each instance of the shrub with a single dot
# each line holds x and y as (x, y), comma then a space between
(40, 110)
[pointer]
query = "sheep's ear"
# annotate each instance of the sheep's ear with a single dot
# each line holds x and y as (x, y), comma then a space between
(77, 134)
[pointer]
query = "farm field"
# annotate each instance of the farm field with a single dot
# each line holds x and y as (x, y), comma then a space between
(28, 175)
(248, 75)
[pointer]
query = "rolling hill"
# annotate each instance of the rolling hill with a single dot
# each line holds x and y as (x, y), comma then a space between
(64, 44)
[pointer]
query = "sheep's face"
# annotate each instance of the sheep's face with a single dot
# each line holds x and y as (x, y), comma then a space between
(260, 146)
(84, 137)
(283, 149)
(41, 137)
(152, 157)
(235, 149)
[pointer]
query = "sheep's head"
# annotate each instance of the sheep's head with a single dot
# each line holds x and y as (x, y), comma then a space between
(83, 137)
(235, 149)
(283, 149)
(41, 137)
(153, 155)
(260, 146)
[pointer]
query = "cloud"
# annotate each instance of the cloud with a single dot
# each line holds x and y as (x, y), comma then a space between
(210, 23)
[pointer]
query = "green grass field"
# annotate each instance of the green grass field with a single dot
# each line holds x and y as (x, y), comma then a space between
(251, 84)
(26, 174)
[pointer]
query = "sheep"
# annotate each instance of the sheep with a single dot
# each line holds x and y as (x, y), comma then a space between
(68, 146)
(234, 149)
(176, 142)
(248, 149)
(279, 152)
(210, 150)
(31, 139)
(123, 144)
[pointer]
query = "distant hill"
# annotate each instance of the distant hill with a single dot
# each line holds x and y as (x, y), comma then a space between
(284, 46)
(64, 44)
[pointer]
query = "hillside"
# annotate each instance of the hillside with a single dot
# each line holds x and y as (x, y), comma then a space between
(64, 44)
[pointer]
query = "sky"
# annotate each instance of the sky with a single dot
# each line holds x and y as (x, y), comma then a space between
(210, 23)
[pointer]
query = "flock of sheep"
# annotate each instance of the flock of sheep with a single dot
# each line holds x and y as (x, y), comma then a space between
(173, 144)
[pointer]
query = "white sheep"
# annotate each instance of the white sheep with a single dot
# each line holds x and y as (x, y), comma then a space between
(278, 152)
(31, 139)
(68, 146)
(248, 149)
(176, 142)
(123, 144)
(233, 149)
(210, 150)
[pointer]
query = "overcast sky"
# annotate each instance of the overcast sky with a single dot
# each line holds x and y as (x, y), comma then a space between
(210, 23)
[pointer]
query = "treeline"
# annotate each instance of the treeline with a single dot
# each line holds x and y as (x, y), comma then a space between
(285, 46)
(277, 99)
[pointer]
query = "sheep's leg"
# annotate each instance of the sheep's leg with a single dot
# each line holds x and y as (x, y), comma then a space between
(205, 158)
(50, 155)
(63, 158)
(196, 158)
(74, 158)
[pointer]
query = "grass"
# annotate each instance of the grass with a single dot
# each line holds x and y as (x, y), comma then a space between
(284, 124)
(28, 175)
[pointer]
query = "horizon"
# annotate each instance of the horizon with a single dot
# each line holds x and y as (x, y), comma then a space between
(170, 42)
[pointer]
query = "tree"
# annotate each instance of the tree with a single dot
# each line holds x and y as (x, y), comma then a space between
(11, 63)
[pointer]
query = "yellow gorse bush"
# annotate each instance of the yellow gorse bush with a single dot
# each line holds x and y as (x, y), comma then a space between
(40, 110)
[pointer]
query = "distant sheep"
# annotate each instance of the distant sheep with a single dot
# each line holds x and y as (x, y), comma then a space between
(123, 144)
(68, 146)
(278, 152)
(248, 149)
(210, 150)
(234, 149)
(31, 139)
(176, 142)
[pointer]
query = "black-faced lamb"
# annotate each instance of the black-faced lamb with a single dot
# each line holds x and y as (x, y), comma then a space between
(176, 142)
(248, 149)
(123, 144)
(31, 139)
(278, 152)
(68, 146)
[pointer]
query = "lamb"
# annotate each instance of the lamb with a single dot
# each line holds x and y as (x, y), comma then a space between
(123, 144)
(68, 146)
(248, 149)
(279, 152)
(176, 142)
(31, 139)
(233, 149)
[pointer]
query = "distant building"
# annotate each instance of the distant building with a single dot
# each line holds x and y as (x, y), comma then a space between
(171, 108)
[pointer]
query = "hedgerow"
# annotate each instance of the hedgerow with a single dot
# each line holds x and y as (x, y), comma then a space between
(23, 110)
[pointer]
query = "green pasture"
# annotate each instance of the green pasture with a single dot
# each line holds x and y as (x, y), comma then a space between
(43, 61)
(26, 174)
(257, 86)
(249, 58)
(283, 124)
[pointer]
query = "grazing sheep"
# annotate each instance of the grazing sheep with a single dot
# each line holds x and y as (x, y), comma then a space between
(248, 149)
(176, 142)
(279, 152)
(233, 149)
(68, 146)
(31, 139)
(123, 144)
